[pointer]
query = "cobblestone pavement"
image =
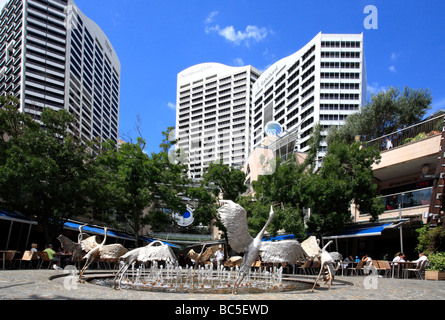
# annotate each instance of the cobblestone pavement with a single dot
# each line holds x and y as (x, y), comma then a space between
(53, 285)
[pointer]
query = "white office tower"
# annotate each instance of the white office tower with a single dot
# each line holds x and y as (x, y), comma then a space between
(213, 114)
(325, 81)
(53, 56)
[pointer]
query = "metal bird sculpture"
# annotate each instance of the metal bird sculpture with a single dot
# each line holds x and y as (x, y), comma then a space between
(234, 218)
(327, 263)
(110, 252)
(155, 251)
(76, 248)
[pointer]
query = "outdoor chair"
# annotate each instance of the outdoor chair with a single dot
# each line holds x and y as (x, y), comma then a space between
(315, 268)
(255, 264)
(29, 257)
(377, 265)
(386, 267)
(419, 271)
(357, 269)
(9, 258)
(304, 268)
(44, 258)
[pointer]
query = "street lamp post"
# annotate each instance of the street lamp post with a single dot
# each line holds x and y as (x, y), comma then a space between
(400, 227)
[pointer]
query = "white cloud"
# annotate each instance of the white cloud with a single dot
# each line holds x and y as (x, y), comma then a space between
(395, 56)
(375, 87)
(211, 16)
(250, 34)
(392, 69)
(238, 62)
(171, 105)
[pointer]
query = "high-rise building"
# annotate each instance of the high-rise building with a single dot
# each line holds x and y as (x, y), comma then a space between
(52, 55)
(323, 82)
(223, 111)
(213, 114)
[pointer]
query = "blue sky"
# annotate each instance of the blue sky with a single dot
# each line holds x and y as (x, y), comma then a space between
(155, 40)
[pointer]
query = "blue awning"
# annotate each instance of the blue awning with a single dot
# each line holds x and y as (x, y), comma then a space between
(279, 238)
(96, 230)
(359, 231)
(15, 217)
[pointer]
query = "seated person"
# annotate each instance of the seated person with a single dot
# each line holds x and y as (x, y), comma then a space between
(422, 257)
(399, 258)
(51, 255)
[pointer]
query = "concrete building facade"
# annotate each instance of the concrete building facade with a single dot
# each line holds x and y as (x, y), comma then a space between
(323, 82)
(213, 114)
(52, 55)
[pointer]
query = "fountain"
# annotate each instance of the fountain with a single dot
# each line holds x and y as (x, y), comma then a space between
(140, 268)
(205, 279)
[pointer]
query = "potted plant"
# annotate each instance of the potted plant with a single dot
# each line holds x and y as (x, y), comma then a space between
(436, 269)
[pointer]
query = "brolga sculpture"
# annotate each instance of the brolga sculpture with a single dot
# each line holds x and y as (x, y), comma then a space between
(326, 262)
(76, 248)
(102, 251)
(155, 251)
(234, 218)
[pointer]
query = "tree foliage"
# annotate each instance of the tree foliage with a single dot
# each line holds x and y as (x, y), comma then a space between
(140, 189)
(43, 172)
(431, 240)
(345, 177)
(50, 175)
(387, 112)
(229, 181)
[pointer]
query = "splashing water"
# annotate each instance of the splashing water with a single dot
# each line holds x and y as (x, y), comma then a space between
(174, 278)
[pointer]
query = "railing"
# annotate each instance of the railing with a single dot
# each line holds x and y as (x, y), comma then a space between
(410, 134)
(407, 199)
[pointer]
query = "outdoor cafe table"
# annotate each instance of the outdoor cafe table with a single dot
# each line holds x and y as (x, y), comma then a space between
(401, 266)
(345, 264)
(62, 258)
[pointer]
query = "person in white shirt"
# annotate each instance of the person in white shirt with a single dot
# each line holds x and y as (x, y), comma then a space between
(367, 259)
(34, 247)
(388, 144)
(219, 255)
(422, 257)
(399, 258)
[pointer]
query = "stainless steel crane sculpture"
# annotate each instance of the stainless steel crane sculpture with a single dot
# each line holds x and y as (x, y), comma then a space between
(73, 247)
(234, 218)
(107, 252)
(326, 262)
(155, 251)
(200, 257)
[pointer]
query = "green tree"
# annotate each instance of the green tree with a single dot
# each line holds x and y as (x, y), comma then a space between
(431, 240)
(345, 177)
(287, 188)
(205, 205)
(139, 187)
(387, 112)
(229, 180)
(283, 190)
(43, 172)
(13, 123)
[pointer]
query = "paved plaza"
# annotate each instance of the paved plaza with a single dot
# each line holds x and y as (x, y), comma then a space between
(29, 290)
(53, 285)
